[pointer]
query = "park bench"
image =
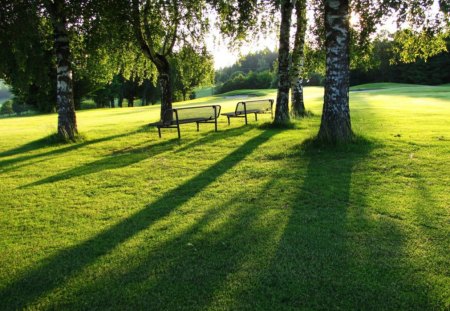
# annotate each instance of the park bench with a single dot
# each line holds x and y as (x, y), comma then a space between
(249, 107)
(197, 114)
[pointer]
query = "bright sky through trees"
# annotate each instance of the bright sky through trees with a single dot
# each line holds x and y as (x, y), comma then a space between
(225, 56)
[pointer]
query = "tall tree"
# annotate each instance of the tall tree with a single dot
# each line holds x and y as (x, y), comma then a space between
(298, 61)
(67, 122)
(282, 107)
(335, 125)
(58, 26)
(158, 27)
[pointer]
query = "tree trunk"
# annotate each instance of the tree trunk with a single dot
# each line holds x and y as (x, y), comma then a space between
(335, 125)
(282, 107)
(145, 88)
(121, 91)
(130, 101)
(67, 122)
(298, 62)
(166, 87)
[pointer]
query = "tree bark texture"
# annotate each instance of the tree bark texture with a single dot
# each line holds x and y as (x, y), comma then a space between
(165, 83)
(298, 61)
(67, 123)
(282, 107)
(335, 125)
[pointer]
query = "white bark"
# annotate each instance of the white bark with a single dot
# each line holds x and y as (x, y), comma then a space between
(335, 125)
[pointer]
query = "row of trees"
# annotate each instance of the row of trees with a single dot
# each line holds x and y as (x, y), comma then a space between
(60, 50)
(341, 43)
(139, 38)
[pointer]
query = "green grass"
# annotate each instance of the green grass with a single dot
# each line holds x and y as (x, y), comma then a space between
(249, 218)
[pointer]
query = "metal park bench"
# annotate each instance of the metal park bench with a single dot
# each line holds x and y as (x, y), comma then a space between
(249, 107)
(197, 114)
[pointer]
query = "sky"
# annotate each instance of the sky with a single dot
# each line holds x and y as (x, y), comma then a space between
(225, 56)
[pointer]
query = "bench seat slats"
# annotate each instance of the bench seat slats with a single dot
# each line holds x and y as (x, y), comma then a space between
(195, 114)
(191, 120)
(249, 107)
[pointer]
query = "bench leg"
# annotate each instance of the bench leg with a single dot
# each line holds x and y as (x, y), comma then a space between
(178, 129)
(256, 117)
(197, 126)
(215, 124)
(159, 132)
(228, 120)
(245, 116)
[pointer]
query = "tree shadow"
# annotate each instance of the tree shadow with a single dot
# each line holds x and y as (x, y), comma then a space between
(54, 271)
(43, 143)
(333, 254)
(115, 160)
(185, 267)
(33, 145)
(233, 132)
(130, 156)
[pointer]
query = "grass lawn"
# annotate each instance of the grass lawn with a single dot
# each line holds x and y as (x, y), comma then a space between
(248, 218)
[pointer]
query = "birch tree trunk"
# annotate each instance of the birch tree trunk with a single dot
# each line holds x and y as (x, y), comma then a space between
(335, 125)
(67, 122)
(282, 107)
(298, 61)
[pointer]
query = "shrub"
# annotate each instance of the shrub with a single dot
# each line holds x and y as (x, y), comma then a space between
(19, 107)
(7, 108)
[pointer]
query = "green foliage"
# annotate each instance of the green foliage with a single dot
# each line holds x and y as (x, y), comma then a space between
(260, 80)
(409, 45)
(192, 69)
(433, 71)
(19, 107)
(7, 108)
(26, 61)
(256, 62)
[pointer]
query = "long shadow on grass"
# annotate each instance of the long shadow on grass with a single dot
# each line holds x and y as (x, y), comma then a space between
(43, 143)
(186, 266)
(333, 254)
(129, 156)
(54, 271)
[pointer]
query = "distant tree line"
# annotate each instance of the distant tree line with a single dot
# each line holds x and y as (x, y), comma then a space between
(383, 67)
(258, 70)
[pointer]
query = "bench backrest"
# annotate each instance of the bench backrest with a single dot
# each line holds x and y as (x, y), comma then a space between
(262, 105)
(210, 112)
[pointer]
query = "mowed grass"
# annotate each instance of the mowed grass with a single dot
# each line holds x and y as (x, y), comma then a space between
(249, 218)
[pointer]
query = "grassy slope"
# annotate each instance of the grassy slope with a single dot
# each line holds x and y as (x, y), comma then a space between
(241, 219)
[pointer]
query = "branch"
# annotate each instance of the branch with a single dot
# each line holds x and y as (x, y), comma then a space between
(173, 37)
(146, 48)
